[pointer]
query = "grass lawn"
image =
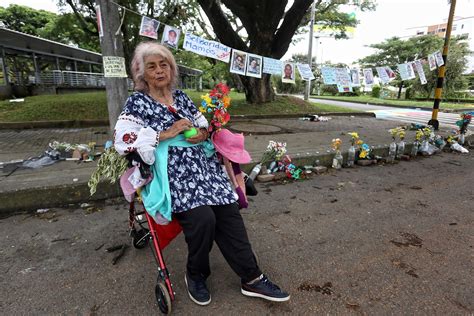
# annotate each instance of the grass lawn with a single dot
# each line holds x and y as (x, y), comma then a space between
(421, 104)
(93, 106)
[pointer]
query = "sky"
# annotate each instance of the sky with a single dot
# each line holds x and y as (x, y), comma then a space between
(391, 18)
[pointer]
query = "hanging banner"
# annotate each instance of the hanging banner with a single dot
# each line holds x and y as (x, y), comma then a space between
(170, 37)
(432, 61)
(406, 71)
(239, 62)
(206, 48)
(343, 88)
(329, 75)
(149, 27)
(439, 58)
(419, 70)
(114, 67)
(271, 66)
(305, 72)
(355, 77)
(390, 73)
(98, 16)
(254, 66)
(368, 76)
(288, 73)
(382, 75)
(342, 77)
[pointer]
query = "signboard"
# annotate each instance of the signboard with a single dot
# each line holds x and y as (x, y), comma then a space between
(368, 76)
(355, 77)
(329, 75)
(305, 71)
(342, 77)
(420, 71)
(271, 66)
(114, 67)
(406, 71)
(206, 47)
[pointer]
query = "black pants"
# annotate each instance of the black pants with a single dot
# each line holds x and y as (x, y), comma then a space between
(224, 224)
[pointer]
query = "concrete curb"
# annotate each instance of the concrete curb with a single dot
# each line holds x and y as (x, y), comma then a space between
(99, 123)
(396, 106)
(27, 200)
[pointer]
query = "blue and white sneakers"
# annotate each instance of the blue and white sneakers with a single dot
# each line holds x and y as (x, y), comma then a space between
(264, 288)
(197, 291)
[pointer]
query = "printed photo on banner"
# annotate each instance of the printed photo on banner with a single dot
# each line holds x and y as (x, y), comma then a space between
(149, 27)
(329, 75)
(288, 73)
(204, 47)
(432, 61)
(170, 37)
(406, 71)
(368, 76)
(254, 66)
(390, 73)
(271, 66)
(305, 71)
(98, 16)
(355, 77)
(383, 75)
(439, 58)
(420, 71)
(238, 63)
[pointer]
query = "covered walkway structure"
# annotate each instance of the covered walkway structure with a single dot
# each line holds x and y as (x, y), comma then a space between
(30, 65)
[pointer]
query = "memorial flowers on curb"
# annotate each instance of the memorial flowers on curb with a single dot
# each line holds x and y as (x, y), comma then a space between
(216, 102)
(274, 152)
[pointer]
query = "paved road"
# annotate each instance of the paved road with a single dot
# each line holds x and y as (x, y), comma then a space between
(397, 114)
(381, 240)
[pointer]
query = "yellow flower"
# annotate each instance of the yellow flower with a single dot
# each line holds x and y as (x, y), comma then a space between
(201, 109)
(360, 142)
(353, 135)
(206, 98)
(363, 154)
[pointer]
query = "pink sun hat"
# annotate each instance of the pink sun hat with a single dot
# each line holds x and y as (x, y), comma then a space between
(231, 146)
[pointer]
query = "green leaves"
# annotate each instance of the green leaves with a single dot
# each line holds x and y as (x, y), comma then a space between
(109, 167)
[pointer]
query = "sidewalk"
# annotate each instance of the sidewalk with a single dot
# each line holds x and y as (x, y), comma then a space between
(65, 182)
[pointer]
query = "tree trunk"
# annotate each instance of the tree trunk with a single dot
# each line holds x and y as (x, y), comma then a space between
(258, 90)
(400, 90)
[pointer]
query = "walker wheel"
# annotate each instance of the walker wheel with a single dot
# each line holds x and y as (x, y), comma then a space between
(163, 298)
(137, 238)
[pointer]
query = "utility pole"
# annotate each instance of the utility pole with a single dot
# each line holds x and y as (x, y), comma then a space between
(310, 50)
(442, 70)
(111, 45)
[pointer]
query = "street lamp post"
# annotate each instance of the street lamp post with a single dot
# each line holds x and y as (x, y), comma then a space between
(310, 50)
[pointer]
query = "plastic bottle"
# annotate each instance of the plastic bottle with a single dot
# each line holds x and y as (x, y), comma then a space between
(414, 149)
(351, 156)
(400, 149)
(392, 151)
(255, 171)
(461, 139)
(337, 160)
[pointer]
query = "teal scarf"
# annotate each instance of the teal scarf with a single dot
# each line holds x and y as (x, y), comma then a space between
(156, 194)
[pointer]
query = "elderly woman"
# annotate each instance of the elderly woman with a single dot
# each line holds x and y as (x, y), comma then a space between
(202, 199)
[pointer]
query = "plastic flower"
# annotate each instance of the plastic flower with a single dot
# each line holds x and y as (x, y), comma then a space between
(418, 135)
(336, 143)
(401, 134)
(216, 102)
(363, 154)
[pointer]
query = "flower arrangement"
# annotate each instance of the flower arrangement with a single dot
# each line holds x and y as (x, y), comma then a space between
(216, 102)
(336, 144)
(364, 150)
(275, 151)
(419, 135)
(464, 122)
(354, 137)
(109, 167)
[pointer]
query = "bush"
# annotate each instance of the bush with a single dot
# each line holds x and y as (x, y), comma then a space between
(329, 89)
(376, 91)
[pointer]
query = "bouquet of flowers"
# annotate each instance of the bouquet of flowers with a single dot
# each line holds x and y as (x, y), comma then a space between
(354, 137)
(274, 152)
(463, 123)
(336, 144)
(216, 102)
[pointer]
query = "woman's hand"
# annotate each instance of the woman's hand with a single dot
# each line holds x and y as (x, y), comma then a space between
(176, 128)
(200, 137)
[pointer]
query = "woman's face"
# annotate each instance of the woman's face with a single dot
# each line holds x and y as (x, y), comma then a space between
(157, 72)
(253, 63)
(288, 71)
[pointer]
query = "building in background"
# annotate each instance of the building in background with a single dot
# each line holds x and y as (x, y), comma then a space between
(461, 26)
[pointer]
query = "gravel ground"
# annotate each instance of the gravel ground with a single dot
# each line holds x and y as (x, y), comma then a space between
(394, 239)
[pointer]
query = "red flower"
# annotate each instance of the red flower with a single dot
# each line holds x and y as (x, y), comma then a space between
(129, 138)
